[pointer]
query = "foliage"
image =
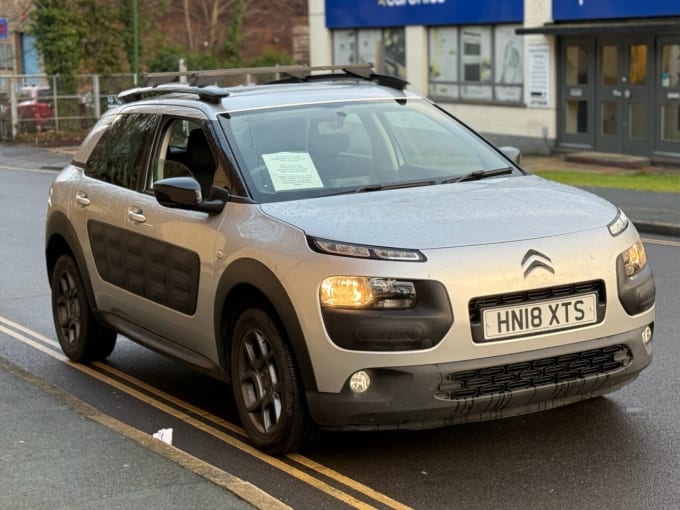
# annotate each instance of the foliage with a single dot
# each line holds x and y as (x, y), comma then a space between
(149, 15)
(271, 57)
(103, 47)
(58, 29)
(233, 41)
(96, 36)
(167, 59)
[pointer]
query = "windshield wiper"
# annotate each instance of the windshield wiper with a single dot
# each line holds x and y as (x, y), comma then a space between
(396, 185)
(478, 174)
(381, 187)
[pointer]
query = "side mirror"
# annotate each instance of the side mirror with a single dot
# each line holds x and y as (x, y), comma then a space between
(185, 193)
(512, 153)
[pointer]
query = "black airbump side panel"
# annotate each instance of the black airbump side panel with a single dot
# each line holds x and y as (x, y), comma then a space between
(159, 271)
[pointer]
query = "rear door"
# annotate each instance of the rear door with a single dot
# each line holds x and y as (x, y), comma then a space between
(97, 212)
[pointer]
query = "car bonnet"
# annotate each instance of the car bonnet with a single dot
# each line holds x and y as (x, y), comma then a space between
(450, 215)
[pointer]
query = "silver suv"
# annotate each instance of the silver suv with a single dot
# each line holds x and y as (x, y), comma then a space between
(344, 253)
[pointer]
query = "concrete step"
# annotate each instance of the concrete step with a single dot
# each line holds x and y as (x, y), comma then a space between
(608, 159)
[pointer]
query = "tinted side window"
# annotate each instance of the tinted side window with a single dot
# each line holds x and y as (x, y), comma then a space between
(118, 157)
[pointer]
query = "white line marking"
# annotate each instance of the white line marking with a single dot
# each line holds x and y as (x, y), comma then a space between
(33, 170)
(662, 242)
(230, 440)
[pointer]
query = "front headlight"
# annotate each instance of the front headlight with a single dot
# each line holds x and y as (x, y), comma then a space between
(367, 292)
(365, 252)
(634, 259)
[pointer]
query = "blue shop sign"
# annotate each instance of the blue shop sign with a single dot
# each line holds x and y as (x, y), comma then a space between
(4, 28)
(399, 13)
(564, 10)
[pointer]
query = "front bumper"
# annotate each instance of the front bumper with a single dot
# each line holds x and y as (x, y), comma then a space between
(419, 397)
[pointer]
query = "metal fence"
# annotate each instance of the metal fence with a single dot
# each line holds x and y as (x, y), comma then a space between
(38, 102)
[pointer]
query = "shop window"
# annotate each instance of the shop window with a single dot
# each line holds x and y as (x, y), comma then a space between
(444, 62)
(6, 57)
(508, 64)
(385, 49)
(476, 63)
(345, 46)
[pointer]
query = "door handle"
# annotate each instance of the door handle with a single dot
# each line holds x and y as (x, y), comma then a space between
(626, 94)
(82, 199)
(616, 93)
(135, 215)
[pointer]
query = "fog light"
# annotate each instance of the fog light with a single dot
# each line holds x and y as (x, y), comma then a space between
(646, 335)
(359, 382)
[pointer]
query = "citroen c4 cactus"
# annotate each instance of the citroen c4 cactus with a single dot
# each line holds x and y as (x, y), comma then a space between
(344, 253)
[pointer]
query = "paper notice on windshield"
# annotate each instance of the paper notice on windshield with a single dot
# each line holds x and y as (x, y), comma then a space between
(292, 170)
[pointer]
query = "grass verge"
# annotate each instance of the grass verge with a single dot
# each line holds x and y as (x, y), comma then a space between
(643, 181)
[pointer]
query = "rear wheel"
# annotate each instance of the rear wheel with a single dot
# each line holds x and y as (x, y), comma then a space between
(267, 389)
(81, 337)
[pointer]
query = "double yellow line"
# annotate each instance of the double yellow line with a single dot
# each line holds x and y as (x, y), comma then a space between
(209, 423)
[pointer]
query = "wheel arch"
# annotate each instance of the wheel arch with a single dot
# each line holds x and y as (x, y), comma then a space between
(245, 283)
(60, 239)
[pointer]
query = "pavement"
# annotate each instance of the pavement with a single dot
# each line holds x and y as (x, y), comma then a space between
(57, 452)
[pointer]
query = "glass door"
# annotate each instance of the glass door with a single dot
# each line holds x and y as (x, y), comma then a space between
(668, 95)
(577, 76)
(624, 97)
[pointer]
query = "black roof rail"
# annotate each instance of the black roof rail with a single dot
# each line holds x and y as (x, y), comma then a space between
(381, 79)
(212, 95)
(384, 79)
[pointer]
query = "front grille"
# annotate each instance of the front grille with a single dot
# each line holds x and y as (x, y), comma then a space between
(477, 305)
(533, 374)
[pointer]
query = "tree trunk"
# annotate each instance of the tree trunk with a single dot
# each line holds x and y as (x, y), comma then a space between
(191, 44)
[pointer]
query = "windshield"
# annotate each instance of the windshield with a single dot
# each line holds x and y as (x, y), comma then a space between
(324, 149)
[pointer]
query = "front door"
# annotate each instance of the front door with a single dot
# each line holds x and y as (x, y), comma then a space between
(624, 97)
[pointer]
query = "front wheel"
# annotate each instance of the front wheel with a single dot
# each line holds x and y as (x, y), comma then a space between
(268, 393)
(81, 337)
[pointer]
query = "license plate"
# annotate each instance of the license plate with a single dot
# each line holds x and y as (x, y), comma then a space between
(528, 318)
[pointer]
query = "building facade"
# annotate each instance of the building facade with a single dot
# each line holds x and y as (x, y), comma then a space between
(544, 75)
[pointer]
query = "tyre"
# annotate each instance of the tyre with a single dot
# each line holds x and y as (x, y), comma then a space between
(81, 337)
(267, 389)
